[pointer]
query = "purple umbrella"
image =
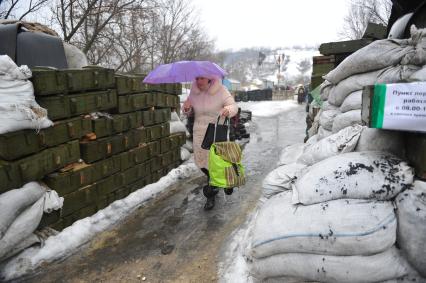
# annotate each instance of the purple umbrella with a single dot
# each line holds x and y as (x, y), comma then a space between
(183, 71)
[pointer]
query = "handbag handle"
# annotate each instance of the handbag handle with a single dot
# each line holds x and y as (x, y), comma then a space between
(224, 123)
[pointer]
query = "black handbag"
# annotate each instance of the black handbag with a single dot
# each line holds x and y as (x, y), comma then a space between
(215, 133)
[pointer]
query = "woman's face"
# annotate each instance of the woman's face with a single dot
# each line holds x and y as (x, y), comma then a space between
(202, 83)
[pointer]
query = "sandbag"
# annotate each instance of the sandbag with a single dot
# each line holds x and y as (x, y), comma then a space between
(338, 227)
(327, 106)
(188, 146)
(281, 179)
(13, 202)
(392, 74)
(323, 133)
(18, 108)
(341, 142)
(377, 55)
(411, 234)
(76, 59)
(176, 125)
(357, 175)
(325, 268)
(184, 154)
(291, 153)
(325, 88)
(31, 240)
(419, 75)
(352, 102)
(346, 119)
(326, 118)
(381, 140)
(23, 226)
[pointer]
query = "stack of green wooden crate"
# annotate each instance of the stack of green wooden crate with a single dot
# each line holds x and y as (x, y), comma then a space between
(321, 65)
(111, 137)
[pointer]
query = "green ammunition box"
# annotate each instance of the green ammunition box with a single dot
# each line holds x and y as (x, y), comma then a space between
(79, 214)
(322, 69)
(122, 193)
(154, 149)
(140, 154)
(151, 99)
(165, 144)
(49, 219)
(138, 184)
(341, 47)
(92, 151)
(49, 81)
(106, 126)
(133, 102)
(157, 132)
(134, 120)
(109, 185)
(65, 106)
(148, 117)
(139, 137)
(166, 158)
(162, 115)
(134, 173)
(155, 163)
(15, 174)
(176, 154)
(128, 84)
(89, 78)
(177, 139)
(22, 143)
(79, 199)
(82, 175)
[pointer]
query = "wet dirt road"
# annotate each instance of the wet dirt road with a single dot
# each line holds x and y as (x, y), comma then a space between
(172, 239)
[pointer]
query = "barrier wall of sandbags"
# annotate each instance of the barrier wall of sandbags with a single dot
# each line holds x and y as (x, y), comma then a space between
(346, 206)
(110, 136)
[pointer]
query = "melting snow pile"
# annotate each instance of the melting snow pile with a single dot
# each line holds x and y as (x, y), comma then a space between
(329, 208)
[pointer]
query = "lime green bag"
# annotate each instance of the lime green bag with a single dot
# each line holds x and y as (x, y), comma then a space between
(225, 168)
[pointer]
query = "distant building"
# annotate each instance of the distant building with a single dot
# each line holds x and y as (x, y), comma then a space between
(232, 85)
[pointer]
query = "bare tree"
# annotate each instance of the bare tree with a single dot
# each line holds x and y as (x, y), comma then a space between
(362, 12)
(17, 9)
(304, 65)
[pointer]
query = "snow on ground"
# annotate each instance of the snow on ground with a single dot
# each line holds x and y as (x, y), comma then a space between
(66, 242)
(267, 108)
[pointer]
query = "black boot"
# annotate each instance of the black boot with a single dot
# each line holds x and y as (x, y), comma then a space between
(229, 191)
(209, 203)
(210, 193)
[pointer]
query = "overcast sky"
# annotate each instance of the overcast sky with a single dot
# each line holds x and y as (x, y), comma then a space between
(271, 23)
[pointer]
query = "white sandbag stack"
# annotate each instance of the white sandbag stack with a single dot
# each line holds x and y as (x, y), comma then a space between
(336, 221)
(383, 61)
(21, 211)
(18, 108)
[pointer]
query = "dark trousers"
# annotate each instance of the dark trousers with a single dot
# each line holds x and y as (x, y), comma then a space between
(209, 191)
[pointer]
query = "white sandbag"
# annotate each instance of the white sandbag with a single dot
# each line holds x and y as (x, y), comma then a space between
(291, 153)
(411, 215)
(326, 118)
(281, 179)
(323, 133)
(338, 143)
(325, 268)
(381, 140)
(338, 227)
(22, 245)
(393, 74)
(419, 75)
(76, 59)
(184, 154)
(352, 102)
(52, 201)
(377, 55)
(346, 119)
(327, 106)
(23, 226)
(312, 140)
(357, 175)
(313, 130)
(18, 108)
(325, 90)
(13, 202)
(176, 125)
(188, 146)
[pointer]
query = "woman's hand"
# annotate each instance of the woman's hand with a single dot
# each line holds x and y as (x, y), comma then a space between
(224, 112)
(187, 106)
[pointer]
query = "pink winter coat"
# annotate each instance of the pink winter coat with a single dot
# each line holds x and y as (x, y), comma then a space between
(207, 106)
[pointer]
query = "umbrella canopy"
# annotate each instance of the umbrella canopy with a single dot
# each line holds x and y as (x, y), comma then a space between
(183, 71)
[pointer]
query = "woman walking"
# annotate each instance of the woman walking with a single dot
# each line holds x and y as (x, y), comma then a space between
(207, 99)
